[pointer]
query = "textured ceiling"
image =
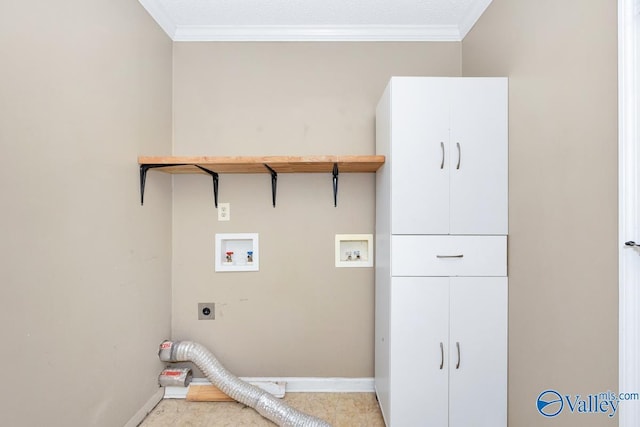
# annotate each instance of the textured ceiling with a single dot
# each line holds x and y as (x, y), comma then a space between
(316, 19)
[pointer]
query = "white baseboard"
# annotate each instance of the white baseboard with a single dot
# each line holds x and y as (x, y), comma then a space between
(328, 385)
(293, 385)
(148, 407)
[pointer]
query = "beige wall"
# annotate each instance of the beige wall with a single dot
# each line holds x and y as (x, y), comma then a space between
(561, 59)
(84, 270)
(299, 315)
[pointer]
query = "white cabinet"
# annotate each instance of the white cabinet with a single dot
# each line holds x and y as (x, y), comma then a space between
(449, 155)
(441, 261)
(448, 346)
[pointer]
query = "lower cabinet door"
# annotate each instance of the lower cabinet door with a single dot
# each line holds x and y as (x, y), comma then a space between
(478, 355)
(419, 356)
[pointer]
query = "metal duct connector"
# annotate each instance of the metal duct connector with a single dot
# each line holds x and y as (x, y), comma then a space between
(264, 403)
(179, 377)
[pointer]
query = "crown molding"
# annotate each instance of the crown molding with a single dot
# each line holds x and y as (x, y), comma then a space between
(293, 33)
(161, 16)
(472, 16)
(322, 33)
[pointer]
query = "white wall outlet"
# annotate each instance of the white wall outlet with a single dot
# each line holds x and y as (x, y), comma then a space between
(224, 211)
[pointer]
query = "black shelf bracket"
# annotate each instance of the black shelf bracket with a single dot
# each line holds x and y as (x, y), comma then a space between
(335, 185)
(143, 176)
(214, 175)
(274, 183)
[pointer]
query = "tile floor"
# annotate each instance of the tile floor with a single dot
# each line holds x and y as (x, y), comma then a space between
(339, 409)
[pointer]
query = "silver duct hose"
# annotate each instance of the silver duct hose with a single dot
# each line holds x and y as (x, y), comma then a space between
(264, 403)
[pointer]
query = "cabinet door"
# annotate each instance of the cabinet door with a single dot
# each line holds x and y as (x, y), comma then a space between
(419, 155)
(478, 356)
(479, 160)
(419, 361)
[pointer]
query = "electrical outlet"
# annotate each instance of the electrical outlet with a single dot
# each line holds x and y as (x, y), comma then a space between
(224, 211)
(206, 311)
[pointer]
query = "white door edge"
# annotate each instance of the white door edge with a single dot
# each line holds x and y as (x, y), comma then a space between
(629, 258)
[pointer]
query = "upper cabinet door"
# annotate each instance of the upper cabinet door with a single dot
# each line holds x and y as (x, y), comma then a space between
(419, 118)
(479, 161)
(448, 155)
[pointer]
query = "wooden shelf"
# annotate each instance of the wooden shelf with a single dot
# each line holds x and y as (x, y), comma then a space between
(272, 165)
(256, 164)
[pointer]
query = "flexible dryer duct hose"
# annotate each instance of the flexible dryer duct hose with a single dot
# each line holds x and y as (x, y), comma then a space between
(264, 403)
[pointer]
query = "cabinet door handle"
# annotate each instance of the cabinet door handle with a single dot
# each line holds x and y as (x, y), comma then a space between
(442, 148)
(459, 155)
(458, 347)
(450, 256)
(441, 355)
